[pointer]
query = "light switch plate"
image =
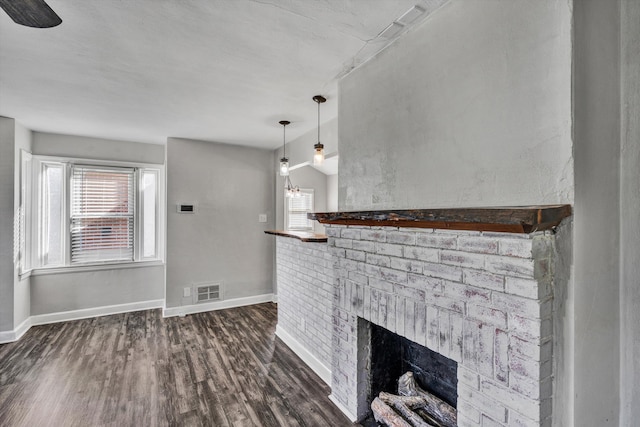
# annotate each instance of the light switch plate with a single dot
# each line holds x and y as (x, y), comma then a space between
(262, 218)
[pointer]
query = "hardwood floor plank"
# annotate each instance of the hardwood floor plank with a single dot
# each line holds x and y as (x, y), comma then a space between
(223, 368)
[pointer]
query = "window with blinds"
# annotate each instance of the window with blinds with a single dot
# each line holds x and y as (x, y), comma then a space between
(297, 209)
(102, 214)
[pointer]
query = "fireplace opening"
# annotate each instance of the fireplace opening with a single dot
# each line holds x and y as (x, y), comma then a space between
(392, 356)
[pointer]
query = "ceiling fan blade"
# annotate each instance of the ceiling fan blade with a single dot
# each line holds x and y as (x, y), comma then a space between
(32, 13)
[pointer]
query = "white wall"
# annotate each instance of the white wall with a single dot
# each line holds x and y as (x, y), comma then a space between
(472, 108)
(629, 212)
(52, 293)
(223, 240)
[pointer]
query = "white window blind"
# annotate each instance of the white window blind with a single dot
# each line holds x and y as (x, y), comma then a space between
(102, 214)
(298, 207)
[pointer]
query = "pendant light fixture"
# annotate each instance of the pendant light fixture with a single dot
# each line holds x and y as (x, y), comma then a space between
(318, 155)
(284, 162)
(290, 190)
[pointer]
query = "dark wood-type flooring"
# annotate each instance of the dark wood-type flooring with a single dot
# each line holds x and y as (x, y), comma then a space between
(220, 368)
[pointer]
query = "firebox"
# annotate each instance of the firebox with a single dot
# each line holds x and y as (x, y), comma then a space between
(393, 355)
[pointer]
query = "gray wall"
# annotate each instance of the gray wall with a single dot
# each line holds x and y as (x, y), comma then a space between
(14, 293)
(7, 153)
(223, 240)
(308, 178)
(629, 211)
(51, 144)
(473, 108)
(300, 152)
(52, 293)
(56, 293)
(483, 116)
(332, 193)
(22, 288)
(596, 212)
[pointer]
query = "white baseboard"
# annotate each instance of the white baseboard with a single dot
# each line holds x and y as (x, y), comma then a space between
(86, 313)
(275, 298)
(7, 336)
(16, 333)
(344, 410)
(183, 310)
(23, 328)
(317, 366)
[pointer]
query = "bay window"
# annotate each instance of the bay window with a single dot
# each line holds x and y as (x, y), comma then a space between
(82, 213)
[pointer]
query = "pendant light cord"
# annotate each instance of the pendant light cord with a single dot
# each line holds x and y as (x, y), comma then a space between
(284, 124)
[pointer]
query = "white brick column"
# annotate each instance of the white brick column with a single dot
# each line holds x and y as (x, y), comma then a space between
(305, 301)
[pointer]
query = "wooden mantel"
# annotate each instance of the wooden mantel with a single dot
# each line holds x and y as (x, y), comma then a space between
(521, 219)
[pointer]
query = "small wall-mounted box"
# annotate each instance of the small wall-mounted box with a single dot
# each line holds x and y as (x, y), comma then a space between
(186, 208)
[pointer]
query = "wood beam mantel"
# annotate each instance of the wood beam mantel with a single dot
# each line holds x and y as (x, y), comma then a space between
(521, 219)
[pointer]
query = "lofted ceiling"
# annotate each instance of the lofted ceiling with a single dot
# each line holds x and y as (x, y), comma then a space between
(212, 70)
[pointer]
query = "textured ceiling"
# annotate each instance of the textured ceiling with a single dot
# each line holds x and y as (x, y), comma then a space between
(213, 70)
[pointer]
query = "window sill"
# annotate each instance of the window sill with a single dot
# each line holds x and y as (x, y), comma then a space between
(93, 267)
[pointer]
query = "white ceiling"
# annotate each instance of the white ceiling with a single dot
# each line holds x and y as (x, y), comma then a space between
(213, 70)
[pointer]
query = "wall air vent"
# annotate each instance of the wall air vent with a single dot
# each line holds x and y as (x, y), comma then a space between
(186, 208)
(208, 292)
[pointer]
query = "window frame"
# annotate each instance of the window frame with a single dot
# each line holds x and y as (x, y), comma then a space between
(287, 211)
(32, 187)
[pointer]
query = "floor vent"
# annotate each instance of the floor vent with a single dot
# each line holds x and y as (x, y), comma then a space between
(209, 292)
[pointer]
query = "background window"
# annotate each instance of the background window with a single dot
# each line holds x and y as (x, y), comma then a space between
(102, 214)
(296, 210)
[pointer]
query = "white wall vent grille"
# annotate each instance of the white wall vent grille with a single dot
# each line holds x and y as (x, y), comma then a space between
(208, 292)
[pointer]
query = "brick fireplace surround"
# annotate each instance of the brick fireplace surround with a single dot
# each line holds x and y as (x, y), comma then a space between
(481, 298)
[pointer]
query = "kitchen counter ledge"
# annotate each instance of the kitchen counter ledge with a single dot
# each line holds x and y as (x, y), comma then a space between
(305, 236)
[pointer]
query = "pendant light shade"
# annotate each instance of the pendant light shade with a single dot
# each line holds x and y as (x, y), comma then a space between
(284, 166)
(284, 161)
(290, 190)
(318, 155)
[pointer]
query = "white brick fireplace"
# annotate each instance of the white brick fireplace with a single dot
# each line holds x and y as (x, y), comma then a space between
(483, 299)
